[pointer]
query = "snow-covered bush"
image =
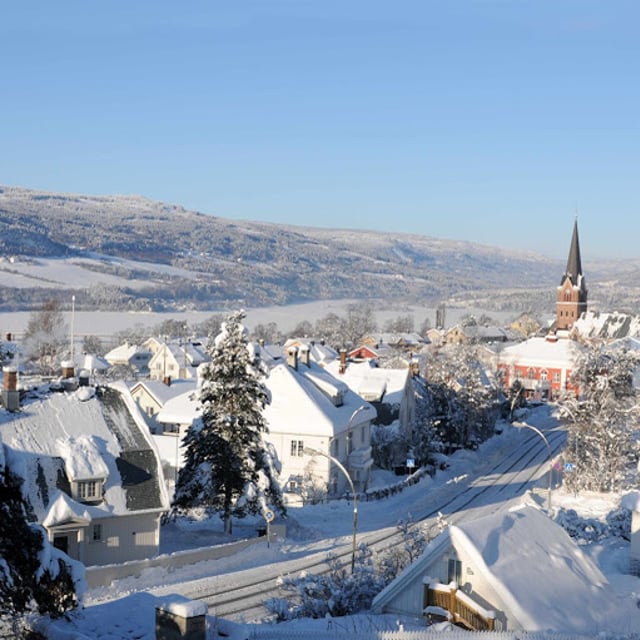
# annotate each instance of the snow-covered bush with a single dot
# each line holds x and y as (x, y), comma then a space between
(590, 530)
(339, 592)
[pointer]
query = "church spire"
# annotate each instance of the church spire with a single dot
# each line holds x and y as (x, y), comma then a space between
(574, 263)
(572, 292)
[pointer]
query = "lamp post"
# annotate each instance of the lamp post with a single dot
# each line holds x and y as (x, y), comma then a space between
(72, 345)
(315, 452)
(524, 425)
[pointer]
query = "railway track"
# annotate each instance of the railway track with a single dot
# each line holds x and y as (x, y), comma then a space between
(240, 596)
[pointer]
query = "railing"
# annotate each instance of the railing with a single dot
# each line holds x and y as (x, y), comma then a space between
(463, 609)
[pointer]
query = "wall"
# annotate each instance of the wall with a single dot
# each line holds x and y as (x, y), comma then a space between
(104, 575)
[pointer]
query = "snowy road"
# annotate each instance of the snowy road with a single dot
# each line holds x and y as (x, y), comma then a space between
(501, 471)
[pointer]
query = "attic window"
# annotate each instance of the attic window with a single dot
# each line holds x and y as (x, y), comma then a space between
(89, 490)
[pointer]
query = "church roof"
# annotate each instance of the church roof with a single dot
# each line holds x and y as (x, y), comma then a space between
(574, 262)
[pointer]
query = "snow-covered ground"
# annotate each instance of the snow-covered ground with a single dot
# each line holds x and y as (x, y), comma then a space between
(126, 608)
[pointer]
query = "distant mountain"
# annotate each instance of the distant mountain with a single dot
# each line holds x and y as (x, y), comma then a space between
(128, 252)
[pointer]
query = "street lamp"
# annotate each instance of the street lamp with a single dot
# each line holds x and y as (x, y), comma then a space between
(524, 425)
(316, 452)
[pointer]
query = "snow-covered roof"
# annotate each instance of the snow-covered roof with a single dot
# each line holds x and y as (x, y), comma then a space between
(302, 401)
(187, 354)
(162, 392)
(124, 353)
(299, 403)
(58, 438)
(541, 576)
(609, 326)
(368, 380)
(319, 351)
(540, 351)
(181, 409)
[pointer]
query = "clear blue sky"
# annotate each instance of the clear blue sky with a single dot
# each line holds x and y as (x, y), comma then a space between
(482, 120)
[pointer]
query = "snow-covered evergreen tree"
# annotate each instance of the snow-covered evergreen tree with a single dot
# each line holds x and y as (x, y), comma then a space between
(34, 576)
(229, 469)
(602, 422)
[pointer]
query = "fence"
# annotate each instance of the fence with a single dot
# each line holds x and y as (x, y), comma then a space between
(274, 633)
(102, 576)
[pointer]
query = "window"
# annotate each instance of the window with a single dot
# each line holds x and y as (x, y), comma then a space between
(454, 571)
(336, 448)
(96, 533)
(349, 442)
(544, 374)
(170, 428)
(297, 448)
(556, 377)
(88, 490)
(363, 434)
(531, 373)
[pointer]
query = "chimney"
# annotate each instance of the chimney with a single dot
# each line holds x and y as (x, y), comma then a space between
(261, 342)
(304, 355)
(68, 370)
(83, 378)
(167, 380)
(8, 337)
(415, 367)
(10, 393)
(10, 378)
(292, 357)
(343, 361)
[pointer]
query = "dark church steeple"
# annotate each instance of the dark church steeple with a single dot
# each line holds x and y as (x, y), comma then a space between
(572, 292)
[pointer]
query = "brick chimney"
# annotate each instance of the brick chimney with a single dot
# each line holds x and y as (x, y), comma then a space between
(10, 393)
(343, 361)
(68, 370)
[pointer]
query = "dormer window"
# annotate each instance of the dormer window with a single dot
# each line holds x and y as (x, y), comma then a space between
(88, 490)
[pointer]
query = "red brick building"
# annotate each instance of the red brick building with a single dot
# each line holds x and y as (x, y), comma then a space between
(543, 365)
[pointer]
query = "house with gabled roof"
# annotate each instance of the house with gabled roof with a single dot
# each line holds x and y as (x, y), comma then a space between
(542, 365)
(318, 350)
(510, 570)
(391, 393)
(130, 355)
(309, 410)
(174, 360)
(152, 395)
(92, 475)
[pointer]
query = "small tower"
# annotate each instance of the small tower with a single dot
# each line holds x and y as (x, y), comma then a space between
(572, 292)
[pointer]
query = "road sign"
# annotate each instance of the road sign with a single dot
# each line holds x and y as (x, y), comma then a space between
(568, 467)
(411, 463)
(269, 516)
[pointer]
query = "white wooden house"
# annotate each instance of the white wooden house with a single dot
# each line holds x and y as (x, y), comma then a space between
(510, 570)
(309, 409)
(130, 355)
(391, 393)
(91, 472)
(152, 395)
(173, 360)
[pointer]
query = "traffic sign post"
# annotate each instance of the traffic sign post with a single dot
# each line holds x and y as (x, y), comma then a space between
(269, 516)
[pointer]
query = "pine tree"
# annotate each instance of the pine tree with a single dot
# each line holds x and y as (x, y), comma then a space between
(229, 469)
(602, 422)
(33, 575)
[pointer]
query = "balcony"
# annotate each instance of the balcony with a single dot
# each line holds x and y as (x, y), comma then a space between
(462, 609)
(360, 459)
